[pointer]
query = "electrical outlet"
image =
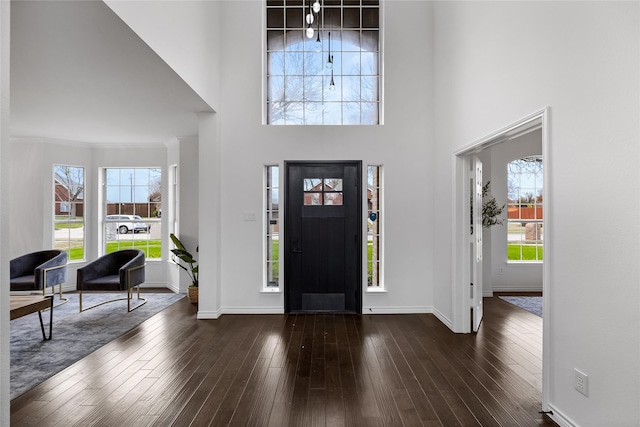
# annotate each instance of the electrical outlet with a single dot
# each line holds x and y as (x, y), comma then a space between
(581, 382)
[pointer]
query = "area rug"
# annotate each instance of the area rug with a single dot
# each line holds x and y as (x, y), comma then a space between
(531, 304)
(75, 335)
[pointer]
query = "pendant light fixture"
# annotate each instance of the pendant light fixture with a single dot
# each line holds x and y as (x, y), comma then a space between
(318, 46)
(329, 63)
(309, 18)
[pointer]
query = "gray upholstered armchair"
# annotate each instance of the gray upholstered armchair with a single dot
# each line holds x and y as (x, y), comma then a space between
(117, 271)
(38, 271)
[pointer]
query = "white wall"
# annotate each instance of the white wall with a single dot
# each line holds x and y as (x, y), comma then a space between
(185, 34)
(498, 62)
(5, 200)
(402, 145)
(500, 275)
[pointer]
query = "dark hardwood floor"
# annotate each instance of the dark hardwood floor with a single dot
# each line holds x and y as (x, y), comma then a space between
(301, 370)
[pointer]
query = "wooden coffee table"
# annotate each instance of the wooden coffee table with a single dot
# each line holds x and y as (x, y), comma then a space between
(21, 305)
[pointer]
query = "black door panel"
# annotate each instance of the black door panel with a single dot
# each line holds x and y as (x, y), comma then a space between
(323, 237)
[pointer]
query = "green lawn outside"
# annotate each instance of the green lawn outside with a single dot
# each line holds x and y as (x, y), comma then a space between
(76, 254)
(528, 253)
(151, 248)
(67, 225)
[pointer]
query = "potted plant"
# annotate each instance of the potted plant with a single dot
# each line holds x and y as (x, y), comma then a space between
(491, 211)
(190, 266)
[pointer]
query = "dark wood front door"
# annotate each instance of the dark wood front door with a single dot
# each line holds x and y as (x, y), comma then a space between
(323, 237)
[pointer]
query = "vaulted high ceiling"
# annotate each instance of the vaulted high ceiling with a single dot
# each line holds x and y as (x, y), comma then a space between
(79, 73)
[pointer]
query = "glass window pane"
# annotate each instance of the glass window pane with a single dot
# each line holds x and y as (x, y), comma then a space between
(275, 41)
(370, 17)
(351, 63)
(312, 199)
(312, 184)
(351, 17)
(333, 184)
(275, 64)
(295, 17)
(351, 113)
(333, 199)
(370, 88)
(313, 113)
(313, 66)
(332, 18)
(332, 113)
(313, 88)
(275, 18)
(369, 113)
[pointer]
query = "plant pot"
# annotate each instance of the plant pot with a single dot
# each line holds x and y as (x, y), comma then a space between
(192, 294)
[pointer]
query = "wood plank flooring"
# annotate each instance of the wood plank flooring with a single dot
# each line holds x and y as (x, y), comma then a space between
(301, 370)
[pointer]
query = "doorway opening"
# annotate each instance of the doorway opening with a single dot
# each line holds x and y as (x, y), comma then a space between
(466, 312)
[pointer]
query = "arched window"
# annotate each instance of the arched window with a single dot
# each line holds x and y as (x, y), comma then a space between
(330, 78)
(525, 210)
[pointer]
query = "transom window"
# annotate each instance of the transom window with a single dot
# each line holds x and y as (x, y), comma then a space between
(525, 209)
(323, 62)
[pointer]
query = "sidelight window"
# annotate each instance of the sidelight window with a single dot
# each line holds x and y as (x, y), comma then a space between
(272, 237)
(374, 227)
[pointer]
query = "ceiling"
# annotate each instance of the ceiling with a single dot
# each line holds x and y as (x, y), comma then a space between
(79, 73)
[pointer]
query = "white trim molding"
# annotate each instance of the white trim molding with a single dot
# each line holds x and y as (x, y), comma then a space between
(397, 310)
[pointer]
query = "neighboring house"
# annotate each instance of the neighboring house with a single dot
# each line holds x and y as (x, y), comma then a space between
(63, 204)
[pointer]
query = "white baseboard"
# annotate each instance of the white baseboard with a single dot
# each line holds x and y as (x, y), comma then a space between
(209, 314)
(562, 420)
(279, 310)
(517, 289)
(253, 310)
(444, 319)
(396, 310)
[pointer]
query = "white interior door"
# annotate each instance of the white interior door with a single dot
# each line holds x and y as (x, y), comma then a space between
(476, 242)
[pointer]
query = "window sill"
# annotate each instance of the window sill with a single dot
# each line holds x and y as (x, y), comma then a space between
(376, 290)
(271, 291)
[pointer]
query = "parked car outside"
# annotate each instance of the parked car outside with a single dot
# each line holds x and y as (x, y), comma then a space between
(126, 223)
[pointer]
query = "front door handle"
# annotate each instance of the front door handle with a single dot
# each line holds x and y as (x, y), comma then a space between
(296, 251)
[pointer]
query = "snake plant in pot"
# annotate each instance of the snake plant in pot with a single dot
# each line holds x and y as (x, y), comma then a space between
(185, 260)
